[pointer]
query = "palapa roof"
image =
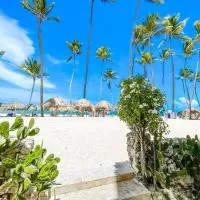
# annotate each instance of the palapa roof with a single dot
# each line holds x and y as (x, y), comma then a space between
(103, 106)
(13, 106)
(195, 113)
(84, 105)
(57, 103)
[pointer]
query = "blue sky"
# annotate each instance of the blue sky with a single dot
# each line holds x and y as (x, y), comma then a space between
(112, 28)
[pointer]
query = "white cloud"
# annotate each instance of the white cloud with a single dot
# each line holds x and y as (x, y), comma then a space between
(20, 80)
(17, 45)
(22, 95)
(182, 102)
(14, 41)
(55, 61)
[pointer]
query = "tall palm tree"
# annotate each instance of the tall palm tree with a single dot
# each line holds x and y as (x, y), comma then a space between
(104, 55)
(164, 55)
(89, 43)
(32, 68)
(137, 8)
(75, 48)
(173, 28)
(40, 9)
(146, 59)
(110, 75)
(137, 41)
(151, 25)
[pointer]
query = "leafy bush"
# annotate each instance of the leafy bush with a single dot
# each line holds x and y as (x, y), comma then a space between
(140, 107)
(22, 168)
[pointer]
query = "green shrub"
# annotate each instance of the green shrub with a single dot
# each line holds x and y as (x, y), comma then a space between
(24, 169)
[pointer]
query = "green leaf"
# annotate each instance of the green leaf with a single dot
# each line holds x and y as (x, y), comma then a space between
(9, 163)
(30, 169)
(24, 186)
(19, 132)
(19, 122)
(31, 123)
(34, 132)
(4, 129)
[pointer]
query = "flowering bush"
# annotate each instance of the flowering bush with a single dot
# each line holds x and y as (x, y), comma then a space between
(140, 102)
(140, 107)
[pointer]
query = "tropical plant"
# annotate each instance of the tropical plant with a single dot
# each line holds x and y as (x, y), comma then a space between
(173, 28)
(40, 9)
(164, 55)
(89, 44)
(32, 68)
(104, 55)
(23, 167)
(146, 59)
(131, 58)
(140, 106)
(110, 75)
(75, 48)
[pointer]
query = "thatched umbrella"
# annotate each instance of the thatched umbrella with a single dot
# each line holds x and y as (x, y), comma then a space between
(84, 105)
(103, 106)
(195, 113)
(13, 106)
(56, 103)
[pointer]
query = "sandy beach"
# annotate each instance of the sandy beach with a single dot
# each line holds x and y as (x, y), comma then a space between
(88, 144)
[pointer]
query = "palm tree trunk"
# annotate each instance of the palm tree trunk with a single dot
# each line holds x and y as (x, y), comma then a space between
(163, 73)
(145, 72)
(101, 79)
(195, 84)
(142, 158)
(133, 64)
(196, 95)
(173, 74)
(88, 50)
(184, 91)
(42, 66)
(132, 38)
(32, 90)
(71, 81)
(151, 64)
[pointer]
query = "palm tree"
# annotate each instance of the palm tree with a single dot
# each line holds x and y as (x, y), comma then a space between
(173, 28)
(146, 59)
(151, 25)
(138, 39)
(75, 48)
(131, 60)
(89, 43)
(110, 75)
(104, 55)
(32, 68)
(41, 11)
(164, 55)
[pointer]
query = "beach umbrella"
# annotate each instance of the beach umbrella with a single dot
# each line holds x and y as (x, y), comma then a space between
(195, 113)
(57, 103)
(13, 106)
(84, 105)
(103, 106)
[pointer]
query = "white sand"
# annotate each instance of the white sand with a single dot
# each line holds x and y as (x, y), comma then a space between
(89, 144)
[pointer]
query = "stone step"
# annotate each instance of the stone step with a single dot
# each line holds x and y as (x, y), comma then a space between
(95, 178)
(126, 190)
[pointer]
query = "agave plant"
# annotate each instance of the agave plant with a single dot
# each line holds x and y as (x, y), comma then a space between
(40, 9)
